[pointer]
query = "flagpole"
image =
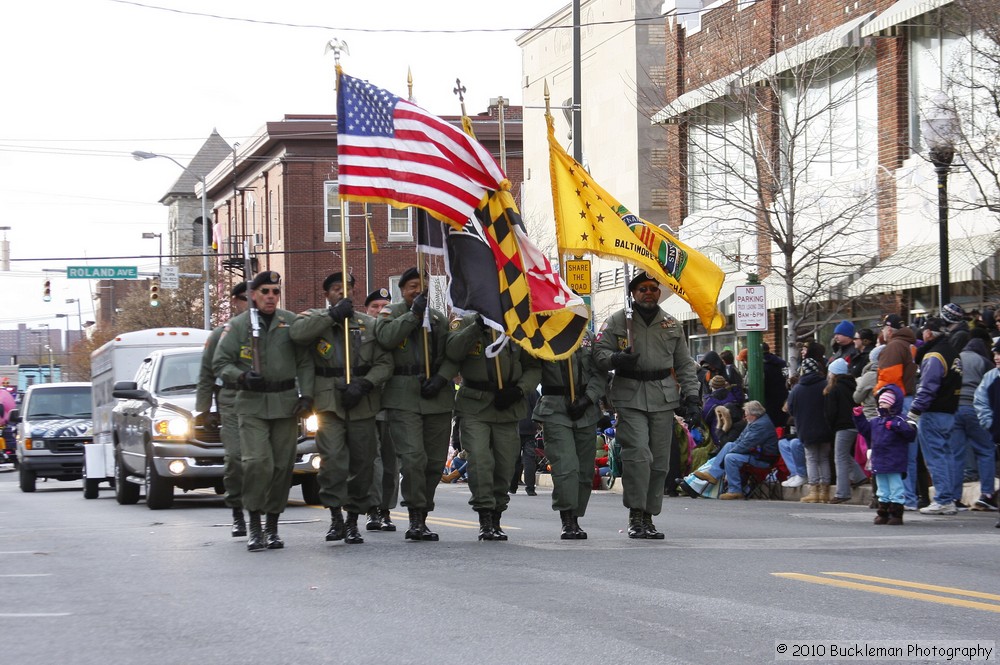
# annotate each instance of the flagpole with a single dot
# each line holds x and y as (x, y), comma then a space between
(420, 258)
(628, 305)
(336, 46)
(467, 127)
(562, 257)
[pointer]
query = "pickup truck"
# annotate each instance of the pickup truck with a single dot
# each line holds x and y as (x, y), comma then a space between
(158, 446)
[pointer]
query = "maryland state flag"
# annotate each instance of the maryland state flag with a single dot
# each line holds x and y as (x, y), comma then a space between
(588, 219)
(541, 313)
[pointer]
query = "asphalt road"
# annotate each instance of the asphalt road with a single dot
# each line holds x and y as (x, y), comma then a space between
(91, 582)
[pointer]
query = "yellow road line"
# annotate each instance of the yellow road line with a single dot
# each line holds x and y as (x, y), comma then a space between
(912, 595)
(918, 585)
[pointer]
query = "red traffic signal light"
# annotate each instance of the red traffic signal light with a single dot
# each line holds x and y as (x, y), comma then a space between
(154, 294)
(47, 291)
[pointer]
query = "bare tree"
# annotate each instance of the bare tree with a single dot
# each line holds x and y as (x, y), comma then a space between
(784, 160)
(972, 83)
(182, 307)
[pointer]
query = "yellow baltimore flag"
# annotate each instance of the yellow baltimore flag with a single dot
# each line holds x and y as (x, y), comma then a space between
(588, 219)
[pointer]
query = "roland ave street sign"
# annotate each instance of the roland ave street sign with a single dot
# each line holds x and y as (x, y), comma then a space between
(751, 308)
(102, 272)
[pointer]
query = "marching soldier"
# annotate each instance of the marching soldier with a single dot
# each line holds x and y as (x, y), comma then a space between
(257, 355)
(418, 405)
(385, 480)
(654, 376)
(569, 422)
(346, 438)
(225, 415)
(490, 401)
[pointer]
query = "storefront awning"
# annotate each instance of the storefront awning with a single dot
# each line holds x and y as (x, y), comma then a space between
(709, 92)
(918, 266)
(843, 36)
(902, 11)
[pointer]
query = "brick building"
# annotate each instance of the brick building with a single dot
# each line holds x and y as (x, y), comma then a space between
(734, 65)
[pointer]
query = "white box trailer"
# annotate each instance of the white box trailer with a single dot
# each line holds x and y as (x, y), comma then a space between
(118, 360)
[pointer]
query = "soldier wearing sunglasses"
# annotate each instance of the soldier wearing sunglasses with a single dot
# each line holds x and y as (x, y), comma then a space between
(274, 381)
(654, 378)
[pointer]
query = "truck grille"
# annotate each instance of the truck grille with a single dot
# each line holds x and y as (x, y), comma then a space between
(63, 445)
(208, 435)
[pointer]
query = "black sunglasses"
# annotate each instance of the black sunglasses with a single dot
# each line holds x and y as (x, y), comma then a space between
(243, 298)
(648, 289)
(265, 290)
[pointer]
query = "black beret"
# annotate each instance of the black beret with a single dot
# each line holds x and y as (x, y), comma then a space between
(265, 278)
(381, 294)
(411, 273)
(337, 277)
(238, 290)
(639, 279)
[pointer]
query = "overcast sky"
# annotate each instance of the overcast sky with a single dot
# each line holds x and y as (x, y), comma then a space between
(86, 82)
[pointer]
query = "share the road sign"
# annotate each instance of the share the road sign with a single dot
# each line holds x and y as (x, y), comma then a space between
(102, 272)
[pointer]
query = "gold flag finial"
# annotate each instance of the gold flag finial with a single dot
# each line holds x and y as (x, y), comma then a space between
(409, 84)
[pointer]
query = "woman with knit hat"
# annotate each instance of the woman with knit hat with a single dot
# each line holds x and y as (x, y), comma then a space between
(838, 404)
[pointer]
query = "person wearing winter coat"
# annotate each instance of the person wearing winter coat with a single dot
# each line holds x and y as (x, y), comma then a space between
(890, 435)
(864, 342)
(837, 405)
(805, 405)
(775, 386)
(896, 365)
(976, 362)
(986, 401)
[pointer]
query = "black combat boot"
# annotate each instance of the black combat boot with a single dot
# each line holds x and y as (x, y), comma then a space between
(239, 524)
(385, 520)
(255, 542)
(498, 533)
(882, 516)
(414, 530)
(271, 538)
(336, 531)
(374, 522)
(427, 534)
(568, 532)
(580, 533)
(635, 526)
(351, 534)
(485, 524)
(651, 532)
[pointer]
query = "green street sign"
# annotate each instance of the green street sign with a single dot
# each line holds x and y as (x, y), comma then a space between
(102, 272)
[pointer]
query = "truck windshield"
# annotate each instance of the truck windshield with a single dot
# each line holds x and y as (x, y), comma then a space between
(68, 402)
(179, 373)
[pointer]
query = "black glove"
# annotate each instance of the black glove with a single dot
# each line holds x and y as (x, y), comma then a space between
(343, 309)
(303, 407)
(507, 397)
(429, 388)
(419, 305)
(354, 392)
(208, 420)
(692, 409)
(624, 359)
(578, 407)
(251, 380)
(482, 324)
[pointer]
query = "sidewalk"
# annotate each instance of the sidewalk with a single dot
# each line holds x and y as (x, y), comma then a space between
(860, 496)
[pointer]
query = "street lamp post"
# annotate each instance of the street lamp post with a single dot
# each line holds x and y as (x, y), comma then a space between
(139, 155)
(79, 313)
(149, 235)
(938, 128)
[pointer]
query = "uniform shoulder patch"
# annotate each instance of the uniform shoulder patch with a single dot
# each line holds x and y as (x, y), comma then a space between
(455, 325)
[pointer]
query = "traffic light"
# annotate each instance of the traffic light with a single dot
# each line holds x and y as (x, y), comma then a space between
(47, 291)
(154, 294)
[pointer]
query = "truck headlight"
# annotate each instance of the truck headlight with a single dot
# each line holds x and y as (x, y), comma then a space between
(316, 461)
(172, 427)
(312, 424)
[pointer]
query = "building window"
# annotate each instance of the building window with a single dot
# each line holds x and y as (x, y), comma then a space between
(400, 224)
(720, 156)
(332, 230)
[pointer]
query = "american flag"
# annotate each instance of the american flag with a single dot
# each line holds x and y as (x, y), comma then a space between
(391, 151)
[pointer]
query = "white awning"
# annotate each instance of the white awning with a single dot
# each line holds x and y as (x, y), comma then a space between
(709, 92)
(918, 266)
(902, 11)
(843, 36)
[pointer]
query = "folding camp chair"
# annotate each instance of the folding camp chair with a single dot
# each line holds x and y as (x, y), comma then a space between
(764, 482)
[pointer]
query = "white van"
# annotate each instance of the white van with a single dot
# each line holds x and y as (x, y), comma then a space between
(53, 430)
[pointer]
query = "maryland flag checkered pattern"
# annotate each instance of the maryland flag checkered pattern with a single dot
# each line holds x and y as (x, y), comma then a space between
(541, 313)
